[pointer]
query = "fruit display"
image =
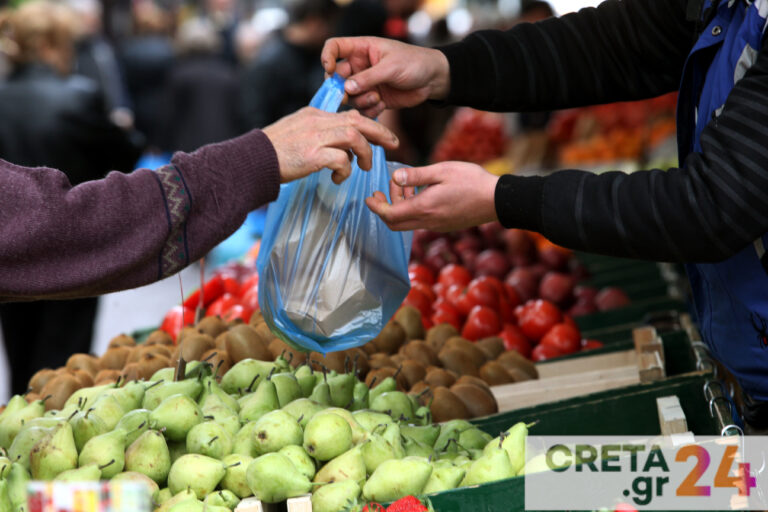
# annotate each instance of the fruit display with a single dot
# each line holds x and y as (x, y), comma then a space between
(471, 136)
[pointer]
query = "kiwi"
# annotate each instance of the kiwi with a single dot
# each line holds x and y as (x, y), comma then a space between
(383, 373)
(439, 334)
(410, 319)
(264, 333)
(418, 389)
(370, 348)
(137, 352)
(295, 357)
(518, 375)
(413, 371)
(495, 374)
(359, 361)
(59, 389)
(83, 377)
(186, 332)
(31, 397)
(380, 360)
(159, 337)
(458, 361)
(115, 358)
(193, 347)
(477, 400)
(420, 351)
(513, 359)
(476, 355)
(40, 379)
(475, 381)
(122, 340)
(218, 357)
(159, 350)
(132, 371)
(491, 347)
(85, 362)
(439, 377)
(221, 341)
(397, 360)
(256, 318)
(106, 376)
(447, 406)
(151, 362)
(243, 342)
(391, 338)
(212, 326)
(332, 361)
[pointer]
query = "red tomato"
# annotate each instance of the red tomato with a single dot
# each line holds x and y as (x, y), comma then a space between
(231, 286)
(220, 305)
(514, 339)
(536, 317)
(420, 301)
(591, 344)
(250, 298)
(506, 310)
(425, 289)
(542, 352)
(446, 314)
(482, 322)
(418, 272)
(212, 290)
(512, 296)
(457, 297)
(454, 274)
(568, 319)
(427, 323)
(564, 337)
(237, 311)
(172, 321)
(249, 283)
(440, 289)
(482, 293)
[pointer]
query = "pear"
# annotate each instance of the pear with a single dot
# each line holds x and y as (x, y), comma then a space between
(163, 496)
(17, 479)
(392, 435)
(42, 421)
(242, 375)
(369, 420)
(301, 459)
(347, 466)
(321, 393)
(104, 448)
(108, 409)
(273, 478)
(176, 449)
(451, 430)
(415, 448)
(303, 409)
(211, 439)
(5, 500)
(396, 478)
(86, 425)
(163, 374)
(5, 467)
(155, 395)
(492, 466)
(276, 430)
(200, 473)
(223, 498)
(225, 417)
(287, 387)
(16, 403)
(11, 423)
(513, 443)
(234, 479)
(306, 378)
(132, 476)
(193, 505)
(474, 439)
(54, 453)
(185, 495)
(426, 434)
(134, 423)
(342, 389)
(327, 436)
(87, 473)
(149, 456)
(23, 443)
(385, 386)
(84, 398)
(243, 443)
(422, 416)
(260, 402)
(395, 403)
(445, 476)
(336, 496)
(360, 396)
(212, 388)
(129, 396)
(359, 434)
(177, 414)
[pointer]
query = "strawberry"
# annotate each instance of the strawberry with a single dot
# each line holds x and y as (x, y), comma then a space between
(407, 504)
(373, 507)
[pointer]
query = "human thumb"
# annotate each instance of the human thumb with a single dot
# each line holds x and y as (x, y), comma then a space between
(415, 176)
(368, 79)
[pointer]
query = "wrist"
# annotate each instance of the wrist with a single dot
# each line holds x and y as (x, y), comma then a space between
(440, 83)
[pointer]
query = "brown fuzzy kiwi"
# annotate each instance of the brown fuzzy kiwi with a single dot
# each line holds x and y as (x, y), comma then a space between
(280, 348)
(132, 371)
(518, 375)
(397, 360)
(59, 389)
(221, 341)
(150, 363)
(477, 401)
(383, 373)
(332, 361)
(186, 332)
(420, 351)
(243, 342)
(256, 318)
(105, 376)
(212, 326)
(41, 378)
(432, 367)
(115, 358)
(83, 377)
(476, 355)
(193, 347)
(159, 337)
(492, 347)
(391, 338)
(475, 381)
(370, 348)
(85, 362)
(159, 350)
(495, 374)
(439, 377)
(447, 406)
(31, 397)
(264, 333)
(218, 357)
(359, 361)
(380, 360)
(418, 388)
(413, 371)
(439, 334)
(513, 359)
(136, 353)
(458, 361)
(410, 319)
(122, 340)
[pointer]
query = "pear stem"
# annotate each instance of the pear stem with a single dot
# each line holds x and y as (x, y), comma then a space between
(232, 465)
(208, 418)
(46, 398)
(300, 418)
(89, 411)
(72, 415)
(212, 440)
(141, 426)
(422, 393)
(216, 372)
(101, 468)
(373, 382)
(213, 354)
(153, 385)
(250, 386)
(271, 372)
(346, 362)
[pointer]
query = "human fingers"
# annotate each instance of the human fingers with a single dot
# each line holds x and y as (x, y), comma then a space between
(375, 111)
(419, 176)
(376, 133)
(338, 48)
(337, 160)
(349, 138)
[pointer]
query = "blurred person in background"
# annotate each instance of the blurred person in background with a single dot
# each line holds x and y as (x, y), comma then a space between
(51, 119)
(202, 91)
(284, 75)
(362, 18)
(224, 17)
(147, 57)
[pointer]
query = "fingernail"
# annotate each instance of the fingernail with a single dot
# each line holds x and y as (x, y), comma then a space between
(401, 177)
(394, 139)
(352, 86)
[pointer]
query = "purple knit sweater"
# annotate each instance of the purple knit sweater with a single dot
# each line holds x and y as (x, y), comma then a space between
(126, 230)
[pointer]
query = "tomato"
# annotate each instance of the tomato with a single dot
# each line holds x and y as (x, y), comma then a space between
(564, 337)
(446, 314)
(426, 323)
(536, 317)
(250, 298)
(542, 352)
(418, 272)
(439, 289)
(212, 290)
(237, 311)
(420, 301)
(568, 319)
(480, 292)
(454, 274)
(514, 339)
(425, 289)
(172, 321)
(249, 283)
(482, 322)
(457, 297)
(512, 296)
(231, 286)
(591, 344)
(220, 305)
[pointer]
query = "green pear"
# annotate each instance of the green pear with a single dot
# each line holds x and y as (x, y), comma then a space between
(209, 438)
(42, 421)
(342, 389)
(327, 436)
(224, 417)
(243, 442)
(134, 423)
(426, 434)
(513, 443)
(23, 443)
(276, 430)
(234, 479)
(177, 449)
(336, 496)
(394, 403)
(415, 448)
(212, 388)
(375, 451)
(185, 495)
(321, 393)
(193, 505)
(155, 395)
(163, 496)
(104, 448)
(11, 424)
(422, 416)
(359, 434)
(397, 478)
(301, 459)
(360, 396)
(200, 473)
(86, 425)
(5, 500)
(306, 378)
(369, 420)
(223, 498)
(347, 466)
(108, 409)
(84, 398)
(16, 403)
(287, 387)
(385, 386)
(129, 396)
(260, 402)
(54, 453)
(303, 410)
(445, 476)
(474, 439)
(133, 476)
(163, 374)
(177, 414)
(5, 467)
(451, 430)
(17, 480)
(392, 435)
(273, 478)
(87, 473)
(492, 466)
(244, 374)
(149, 456)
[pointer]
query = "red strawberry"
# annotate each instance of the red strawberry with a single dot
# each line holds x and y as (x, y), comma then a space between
(407, 504)
(373, 507)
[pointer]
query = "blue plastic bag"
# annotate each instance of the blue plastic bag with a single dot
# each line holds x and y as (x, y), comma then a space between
(331, 272)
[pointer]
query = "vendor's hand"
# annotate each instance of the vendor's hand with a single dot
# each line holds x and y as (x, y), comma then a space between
(310, 140)
(382, 73)
(458, 195)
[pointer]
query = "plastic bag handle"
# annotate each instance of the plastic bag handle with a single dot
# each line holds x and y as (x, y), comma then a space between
(330, 95)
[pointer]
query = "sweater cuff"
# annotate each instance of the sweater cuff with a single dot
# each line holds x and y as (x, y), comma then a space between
(519, 200)
(465, 59)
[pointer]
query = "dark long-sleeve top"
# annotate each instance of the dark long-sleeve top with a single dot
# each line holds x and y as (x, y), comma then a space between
(707, 210)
